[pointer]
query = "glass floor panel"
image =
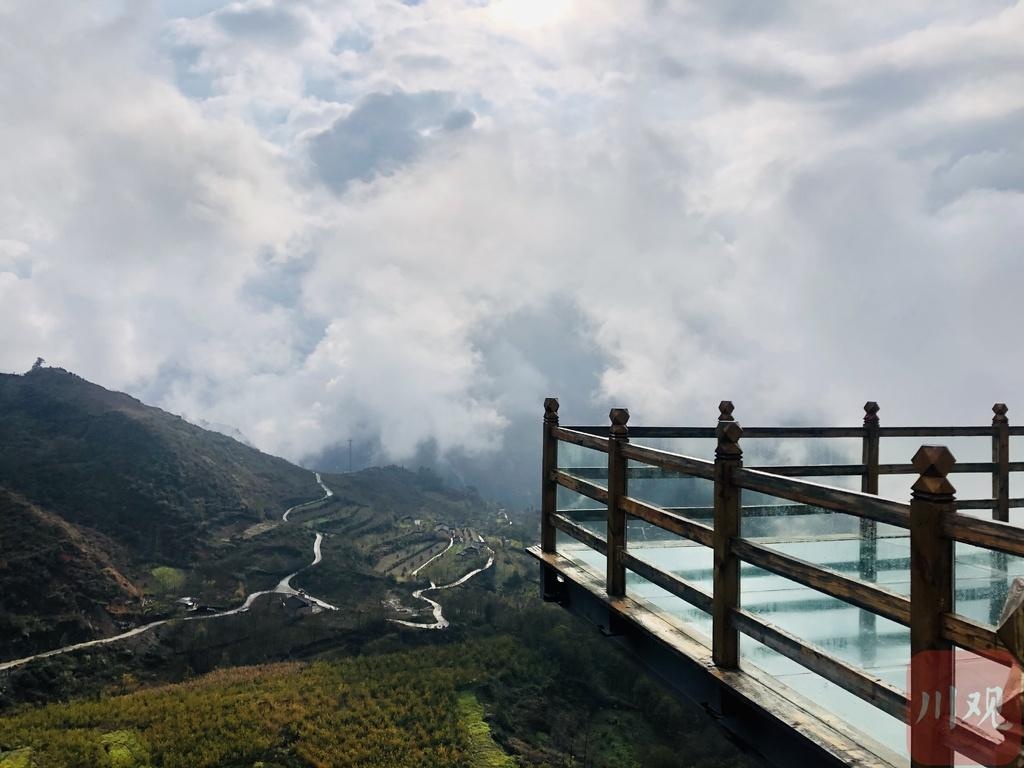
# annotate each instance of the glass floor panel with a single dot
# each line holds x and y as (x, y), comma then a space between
(877, 645)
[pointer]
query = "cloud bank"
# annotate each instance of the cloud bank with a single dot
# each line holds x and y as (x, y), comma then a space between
(407, 223)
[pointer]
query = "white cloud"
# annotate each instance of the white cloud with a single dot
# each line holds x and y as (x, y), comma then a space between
(254, 213)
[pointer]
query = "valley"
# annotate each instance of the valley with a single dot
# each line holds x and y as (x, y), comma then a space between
(374, 618)
(305, 600)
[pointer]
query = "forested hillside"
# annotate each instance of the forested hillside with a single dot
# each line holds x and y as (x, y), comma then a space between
(109, 507)
(122, 509)
(146, 478)
(442, 707)
(58, 583)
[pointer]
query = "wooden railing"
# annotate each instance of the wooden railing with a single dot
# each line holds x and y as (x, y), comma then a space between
(870, 468)
(932, 519)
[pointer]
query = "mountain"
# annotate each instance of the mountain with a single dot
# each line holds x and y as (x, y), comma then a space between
(147, 479)
(112, 511)
(60, 583)
(104, 499)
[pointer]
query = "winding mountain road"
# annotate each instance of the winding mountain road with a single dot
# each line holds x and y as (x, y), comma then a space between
(440, 622)
(327, 494)
(283, 587)
(451, 543)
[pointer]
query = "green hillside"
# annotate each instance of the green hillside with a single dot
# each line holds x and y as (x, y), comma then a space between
(110, 509)
(60, 583)
(485, 703)
(146, 478)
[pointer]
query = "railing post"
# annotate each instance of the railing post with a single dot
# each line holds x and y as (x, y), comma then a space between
(1001, 508)
(931, 596)
(725, 647)
(868, 559)
(869, 484)
(1001, 459)
(549, 464)
(616, 574)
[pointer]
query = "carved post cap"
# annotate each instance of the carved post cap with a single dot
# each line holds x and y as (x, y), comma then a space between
(725, 409)
(729, 434)
(619, 418)
(999, 409)
(550, 409)
(871, 412)
(934, 462)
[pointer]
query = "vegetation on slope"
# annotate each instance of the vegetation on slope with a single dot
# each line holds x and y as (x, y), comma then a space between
(105, 502)
(411, 708)
(511, 679)
(60, 585)
(144, 477)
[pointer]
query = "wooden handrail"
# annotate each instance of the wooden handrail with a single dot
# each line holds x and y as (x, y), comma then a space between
(861, 594)
(813, 470)
(969, 634)
(592, 442)
(932, 518)
(668, 521)
(825, 496)
(987, 534)
(581, 534)
(675, 462)
(799, 432)
(692, 594)
(934, 431)
(580, 486)
(883, 695)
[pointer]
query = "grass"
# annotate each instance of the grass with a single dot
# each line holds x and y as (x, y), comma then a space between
(124, 749)
(483, 752)
(19, 758)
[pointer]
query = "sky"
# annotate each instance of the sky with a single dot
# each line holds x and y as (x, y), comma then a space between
(406, 223)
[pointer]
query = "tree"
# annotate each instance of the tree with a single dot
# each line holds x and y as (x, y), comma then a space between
(39, 363)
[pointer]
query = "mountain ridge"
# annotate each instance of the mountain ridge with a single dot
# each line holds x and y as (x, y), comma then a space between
(146, 478)
(102, 496)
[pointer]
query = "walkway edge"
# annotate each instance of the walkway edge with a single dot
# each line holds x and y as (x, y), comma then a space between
(783, 728)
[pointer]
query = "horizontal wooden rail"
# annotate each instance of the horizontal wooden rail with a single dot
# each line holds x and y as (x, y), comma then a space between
(802, 432)
(799, 432)
(581, 534)
(882, 602)
(975, 503)
(813, 470)
(707, 513)
(580, 486)
(935, 431)
(988, 534)
(671, 461)
(969, 634)
(794, 470)
(886, 697)
(679, 587)
(709, 432)
(651, 432)
(836, 499)
(987, 503)
(632, 473)
(662, 518)
(583, 439)
(966, 467)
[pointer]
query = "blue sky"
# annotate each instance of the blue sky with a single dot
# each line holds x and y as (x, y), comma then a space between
(412, 222)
